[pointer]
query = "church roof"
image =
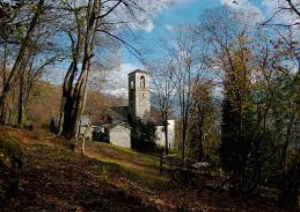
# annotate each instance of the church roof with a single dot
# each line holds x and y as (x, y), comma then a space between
(119, 113)
(138, 71)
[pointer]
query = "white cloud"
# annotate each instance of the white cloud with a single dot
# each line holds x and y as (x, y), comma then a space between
(145, 24)
(285, 16)
(266, 10)
(145, 11)
(169, 27)
(118, 79)
(117, 82)
(151, 9)
(248, 11)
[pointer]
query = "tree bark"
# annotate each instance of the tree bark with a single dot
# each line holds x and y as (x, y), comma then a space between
(21, 103)
(74, 96)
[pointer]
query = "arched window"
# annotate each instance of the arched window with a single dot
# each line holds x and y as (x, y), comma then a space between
(131, 84)
(142, 82)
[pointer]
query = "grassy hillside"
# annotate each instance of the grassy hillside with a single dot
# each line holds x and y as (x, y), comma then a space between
(106, 179)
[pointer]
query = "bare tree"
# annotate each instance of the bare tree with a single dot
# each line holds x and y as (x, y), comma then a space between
(88, 21)
(203, 116)
(164, 81)
(16, 69)
(31, 33)
(189, 63)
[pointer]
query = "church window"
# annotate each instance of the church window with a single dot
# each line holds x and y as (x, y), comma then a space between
(131, 84)
(142, 82)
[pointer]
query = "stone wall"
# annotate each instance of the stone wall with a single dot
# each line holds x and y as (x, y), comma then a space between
(139, 96)
(120, 136)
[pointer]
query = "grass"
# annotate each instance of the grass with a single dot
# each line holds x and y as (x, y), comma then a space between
(125, 152)
(141, 164)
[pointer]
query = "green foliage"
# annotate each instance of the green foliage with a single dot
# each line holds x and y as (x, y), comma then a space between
(234, 141)
(240, 139)
(143, 135)
(203, 137)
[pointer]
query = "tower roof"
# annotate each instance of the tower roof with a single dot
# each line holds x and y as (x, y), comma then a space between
(138, 71)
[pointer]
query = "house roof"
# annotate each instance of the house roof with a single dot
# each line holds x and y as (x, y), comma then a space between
(118, 126)
(138, 71)
(120, 113)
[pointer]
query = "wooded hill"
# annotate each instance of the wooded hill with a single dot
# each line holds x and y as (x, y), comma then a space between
(45, 104)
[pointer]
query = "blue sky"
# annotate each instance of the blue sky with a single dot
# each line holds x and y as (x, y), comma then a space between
(184, 12)
(161, 16)
(180, 12)
(176, 12)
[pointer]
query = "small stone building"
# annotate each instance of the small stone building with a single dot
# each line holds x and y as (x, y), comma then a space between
(119, 135)
(160, 134)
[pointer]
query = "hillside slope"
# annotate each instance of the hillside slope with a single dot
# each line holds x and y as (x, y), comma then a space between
(56, 179)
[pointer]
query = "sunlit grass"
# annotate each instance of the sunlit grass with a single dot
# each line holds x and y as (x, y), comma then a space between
(138, 163)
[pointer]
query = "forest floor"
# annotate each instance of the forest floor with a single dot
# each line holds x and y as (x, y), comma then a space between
(107, 178)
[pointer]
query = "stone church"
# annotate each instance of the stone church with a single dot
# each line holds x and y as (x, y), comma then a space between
(118, 130)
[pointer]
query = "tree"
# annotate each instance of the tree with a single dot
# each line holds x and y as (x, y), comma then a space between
(230, 42)
(164, 81)
(39, 52)
(278, 84)
(44, 55)
(189, 63)
(16, 69)
(30, 27)
(8, 12)
(203, 115)
(90, 20)
(236, 116)
(286, 28)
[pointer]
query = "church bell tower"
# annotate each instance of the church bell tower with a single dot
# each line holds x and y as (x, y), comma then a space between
(139, 98)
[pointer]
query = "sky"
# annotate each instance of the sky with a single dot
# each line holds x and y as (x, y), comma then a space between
(161, 26)
(169, 13)
(162, 23)
(162, 16)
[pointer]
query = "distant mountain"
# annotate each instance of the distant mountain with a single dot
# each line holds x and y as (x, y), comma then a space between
(120, 93)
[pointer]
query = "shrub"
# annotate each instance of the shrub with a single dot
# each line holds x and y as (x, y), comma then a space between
(143, 135)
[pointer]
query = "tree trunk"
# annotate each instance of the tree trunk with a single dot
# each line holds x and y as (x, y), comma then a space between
(74, 97)
(59, 129)
(83, 146)
(21, 103)
(166, 136)
(183, 138)
(283, 190)
(200, 128)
